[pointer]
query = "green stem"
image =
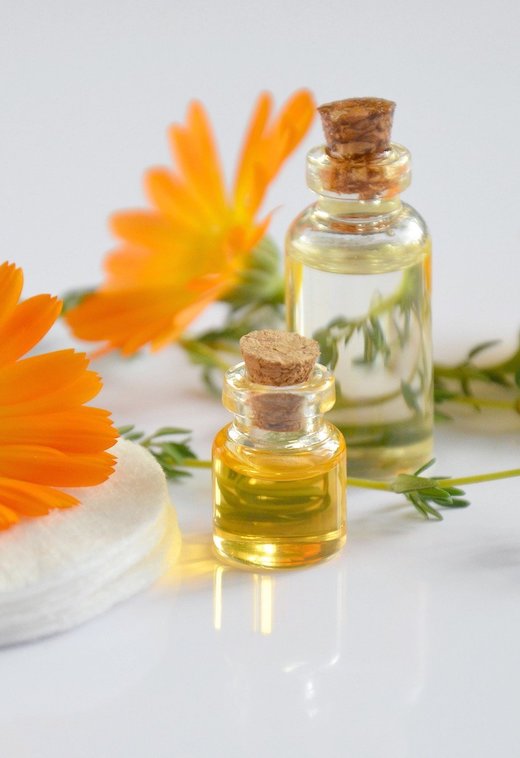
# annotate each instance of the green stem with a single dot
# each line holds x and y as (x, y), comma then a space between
(372, 484)
(369, 484)
(194, 463)
(477, 478)
(225, 347)
(194, 346)
(454, 372)
(485, 402)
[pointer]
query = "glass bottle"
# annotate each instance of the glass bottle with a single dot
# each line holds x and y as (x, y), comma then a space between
(358, 281)
(279, 488)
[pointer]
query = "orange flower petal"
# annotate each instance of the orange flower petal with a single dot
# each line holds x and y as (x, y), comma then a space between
(11, 283)
(82, 389)
(8, 517)
(77, 430)
(174, 199)
(48, 439)
(195, 242)
(209, 177)
(195, 153)
(26, 325)
(44, 465)
(267, 147)
(40, 375)
(146, 229)
(130, 319)
(251, 146)
(33, 499)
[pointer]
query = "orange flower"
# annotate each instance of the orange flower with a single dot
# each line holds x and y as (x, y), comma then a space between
(192, 247)
(48, 438)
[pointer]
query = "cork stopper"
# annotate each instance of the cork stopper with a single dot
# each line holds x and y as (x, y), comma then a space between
(278, 359)
(357, 126)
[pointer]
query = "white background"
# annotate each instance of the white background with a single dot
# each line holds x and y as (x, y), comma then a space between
(407, 644)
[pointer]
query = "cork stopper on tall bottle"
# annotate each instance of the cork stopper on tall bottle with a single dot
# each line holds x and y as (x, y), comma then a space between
(278, 359)
(359, 158)
(357, 126)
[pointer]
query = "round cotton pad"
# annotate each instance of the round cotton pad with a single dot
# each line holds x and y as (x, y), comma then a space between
(62, 569)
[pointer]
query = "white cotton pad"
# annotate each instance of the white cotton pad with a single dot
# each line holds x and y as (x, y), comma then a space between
(62, 569)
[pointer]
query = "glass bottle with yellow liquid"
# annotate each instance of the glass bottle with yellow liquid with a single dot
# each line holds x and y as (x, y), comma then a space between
(358, 282)
(279, 469)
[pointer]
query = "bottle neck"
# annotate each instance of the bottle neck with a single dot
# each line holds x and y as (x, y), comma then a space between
(278, 416)
(310, 431)
(352, 210)
(369, 184)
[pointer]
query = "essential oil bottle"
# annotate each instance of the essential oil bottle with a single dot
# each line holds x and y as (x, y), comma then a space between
(279, 469)
(358, 281)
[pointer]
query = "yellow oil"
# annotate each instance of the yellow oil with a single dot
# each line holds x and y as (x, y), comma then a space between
(279, 508)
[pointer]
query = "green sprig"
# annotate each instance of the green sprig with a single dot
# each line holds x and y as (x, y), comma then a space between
(458, 383)
(173, 455)
(424, 493)
(256, 302)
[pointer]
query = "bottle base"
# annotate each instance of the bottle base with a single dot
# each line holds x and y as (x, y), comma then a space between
(272, 553)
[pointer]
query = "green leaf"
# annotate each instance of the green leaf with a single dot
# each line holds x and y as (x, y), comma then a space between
(261, 280)
(171, 454)
(431, 511)
(168, 430)
(497, 378)
(411, 483)
(481, 347)
(410, 397)
(73, 298)
(122, 430)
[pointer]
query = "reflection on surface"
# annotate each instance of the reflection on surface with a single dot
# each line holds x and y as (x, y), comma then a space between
(283, 627)
(217, 597)
(263, 603)
(195, 563)
(262, 599)
(310, 646)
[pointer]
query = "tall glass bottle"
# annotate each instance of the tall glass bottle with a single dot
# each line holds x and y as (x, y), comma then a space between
(358, 281)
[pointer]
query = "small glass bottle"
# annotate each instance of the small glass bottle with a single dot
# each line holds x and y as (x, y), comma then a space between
(358, 281)
(279, 469)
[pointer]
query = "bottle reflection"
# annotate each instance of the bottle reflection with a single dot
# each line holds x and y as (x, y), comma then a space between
(262, 600)
(293, 625)
(263, 603)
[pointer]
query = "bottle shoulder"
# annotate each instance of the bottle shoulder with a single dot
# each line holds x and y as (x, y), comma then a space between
(313, 217)
(324, 241)
(328, 445)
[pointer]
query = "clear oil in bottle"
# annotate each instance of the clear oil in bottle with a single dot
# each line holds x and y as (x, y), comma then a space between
(358, 265)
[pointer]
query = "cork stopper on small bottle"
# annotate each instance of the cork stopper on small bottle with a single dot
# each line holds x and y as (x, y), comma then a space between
(357, 126)
(278, 359)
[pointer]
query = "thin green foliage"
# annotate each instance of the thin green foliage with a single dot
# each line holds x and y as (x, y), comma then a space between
(174, 455)
(460, 383)
(424, 493)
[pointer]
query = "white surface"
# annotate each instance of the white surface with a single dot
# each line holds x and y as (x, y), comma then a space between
(406, 646)
(59, 571)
